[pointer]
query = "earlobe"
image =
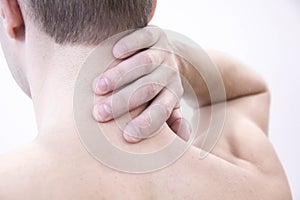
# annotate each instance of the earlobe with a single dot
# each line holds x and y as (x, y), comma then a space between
(12, 17)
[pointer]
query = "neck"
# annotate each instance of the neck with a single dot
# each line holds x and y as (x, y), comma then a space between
(52, 75)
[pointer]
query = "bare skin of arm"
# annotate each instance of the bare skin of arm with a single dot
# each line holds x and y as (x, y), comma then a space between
(243, 141)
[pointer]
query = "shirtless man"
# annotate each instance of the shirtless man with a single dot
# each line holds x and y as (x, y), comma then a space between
(45, 48)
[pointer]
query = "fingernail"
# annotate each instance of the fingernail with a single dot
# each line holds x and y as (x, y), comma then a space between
(102, 85)
(120, 50)
(103, 112)
(132, 132)
(131, 139)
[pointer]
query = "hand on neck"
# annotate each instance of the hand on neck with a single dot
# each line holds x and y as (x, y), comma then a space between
(52, 73)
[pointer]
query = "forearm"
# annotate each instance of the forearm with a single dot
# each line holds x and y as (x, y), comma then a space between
(238, 80)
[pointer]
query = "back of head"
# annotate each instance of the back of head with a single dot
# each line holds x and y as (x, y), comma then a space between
(87, 22)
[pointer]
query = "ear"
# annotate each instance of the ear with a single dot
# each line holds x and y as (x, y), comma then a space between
(153, 10)
(12, 17)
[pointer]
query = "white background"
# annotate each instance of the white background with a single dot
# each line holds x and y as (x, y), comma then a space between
(265, 34)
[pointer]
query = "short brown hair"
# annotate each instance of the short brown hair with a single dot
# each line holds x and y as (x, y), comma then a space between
(87, 21)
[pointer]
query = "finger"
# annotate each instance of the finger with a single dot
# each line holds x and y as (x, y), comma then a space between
(128, 98)
(136, 94)
(150, 120)
(179, 125)
(138, 40)
(128, 71)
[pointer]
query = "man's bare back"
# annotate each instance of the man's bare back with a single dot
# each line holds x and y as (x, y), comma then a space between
(45, 59)
(242, 165)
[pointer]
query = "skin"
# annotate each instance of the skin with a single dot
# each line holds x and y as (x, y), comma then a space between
(243, 165)
(150, 64)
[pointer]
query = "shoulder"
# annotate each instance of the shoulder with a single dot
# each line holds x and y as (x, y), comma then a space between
(18, 170)
(244, 139)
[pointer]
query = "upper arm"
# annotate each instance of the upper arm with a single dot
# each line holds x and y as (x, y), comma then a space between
(247, 110)
(243, 141)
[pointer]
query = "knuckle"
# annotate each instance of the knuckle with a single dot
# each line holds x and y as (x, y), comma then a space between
(178, 89)
(117, 73)
(148, 58)
(174, 73)
(120, 103)
(173, 76)
(165, 109)
(174, 60)
(150, 90)
(166, 106)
